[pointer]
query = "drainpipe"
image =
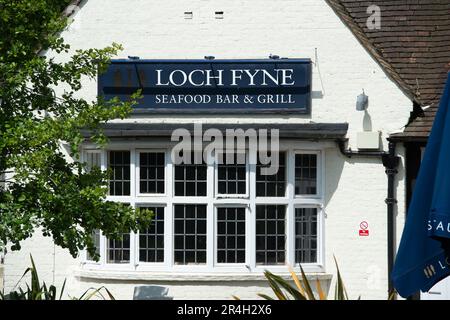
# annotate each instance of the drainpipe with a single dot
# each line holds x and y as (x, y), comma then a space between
(390, 162)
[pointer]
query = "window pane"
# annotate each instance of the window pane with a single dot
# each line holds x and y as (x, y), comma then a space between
(271, 185)
(190, 179)
(232, 175)
(119, 250)
(93, 160)
(305, 235)
(96, 239)
(190, 234)
(270, 236)
(151, 169)
(231, 235)
(305, 174)
(151, 240)
(119, 166)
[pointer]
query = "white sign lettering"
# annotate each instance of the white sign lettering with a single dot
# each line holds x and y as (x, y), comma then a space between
(237, 77)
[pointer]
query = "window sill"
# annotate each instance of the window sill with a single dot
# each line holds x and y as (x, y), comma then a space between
(186, 276)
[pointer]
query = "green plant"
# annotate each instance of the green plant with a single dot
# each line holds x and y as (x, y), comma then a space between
(302, 290)
(95, 293)
(40, 187)
(38, 291)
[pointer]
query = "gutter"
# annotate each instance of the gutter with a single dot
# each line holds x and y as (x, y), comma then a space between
(390, 162)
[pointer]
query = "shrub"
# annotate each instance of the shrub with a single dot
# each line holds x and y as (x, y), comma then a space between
(38, 291)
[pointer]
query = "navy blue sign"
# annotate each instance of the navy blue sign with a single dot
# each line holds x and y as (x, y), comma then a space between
(282, 85)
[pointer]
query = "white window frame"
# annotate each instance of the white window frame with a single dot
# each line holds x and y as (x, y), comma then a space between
(284, 199)
(247, 180)
(131, 200)
(247, 216)
(187, 199)
(84, 254)
(138, 172)
(320, 235)
(212, 201)
(139, 263)
(319, 191)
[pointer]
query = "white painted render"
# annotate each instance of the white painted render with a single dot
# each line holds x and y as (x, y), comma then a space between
(355, 189)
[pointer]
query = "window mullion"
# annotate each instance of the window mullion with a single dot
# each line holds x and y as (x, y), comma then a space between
(102, 248)
(168, 216)
(250, 226)
(133, 167)
(210, 230)
(290, 214)
(103, 167)
(134, 261)
(320, 237)
(134, 257)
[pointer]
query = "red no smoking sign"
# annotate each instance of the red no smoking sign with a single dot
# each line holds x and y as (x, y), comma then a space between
(363, 229)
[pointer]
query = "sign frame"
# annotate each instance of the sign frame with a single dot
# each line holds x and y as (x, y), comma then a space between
(304, 110)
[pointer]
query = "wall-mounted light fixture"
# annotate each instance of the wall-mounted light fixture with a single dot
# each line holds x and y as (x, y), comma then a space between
(188, 15)
(362, 102)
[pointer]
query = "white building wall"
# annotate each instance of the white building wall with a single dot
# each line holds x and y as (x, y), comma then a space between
(355, 188)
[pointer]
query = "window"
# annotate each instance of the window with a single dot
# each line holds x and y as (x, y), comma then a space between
(270, 234)
(231, 174)
(306, 174)
(119, 165)
(190, 179)
(151, 240)
(96, 239)
(151, 172)
(93, 159)
(225, 217)
(230, 235)
(272, 185)
(305, 235)
(190, 234)
(119, 249)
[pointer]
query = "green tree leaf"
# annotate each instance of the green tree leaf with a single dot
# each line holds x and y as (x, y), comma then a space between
(39, 187)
